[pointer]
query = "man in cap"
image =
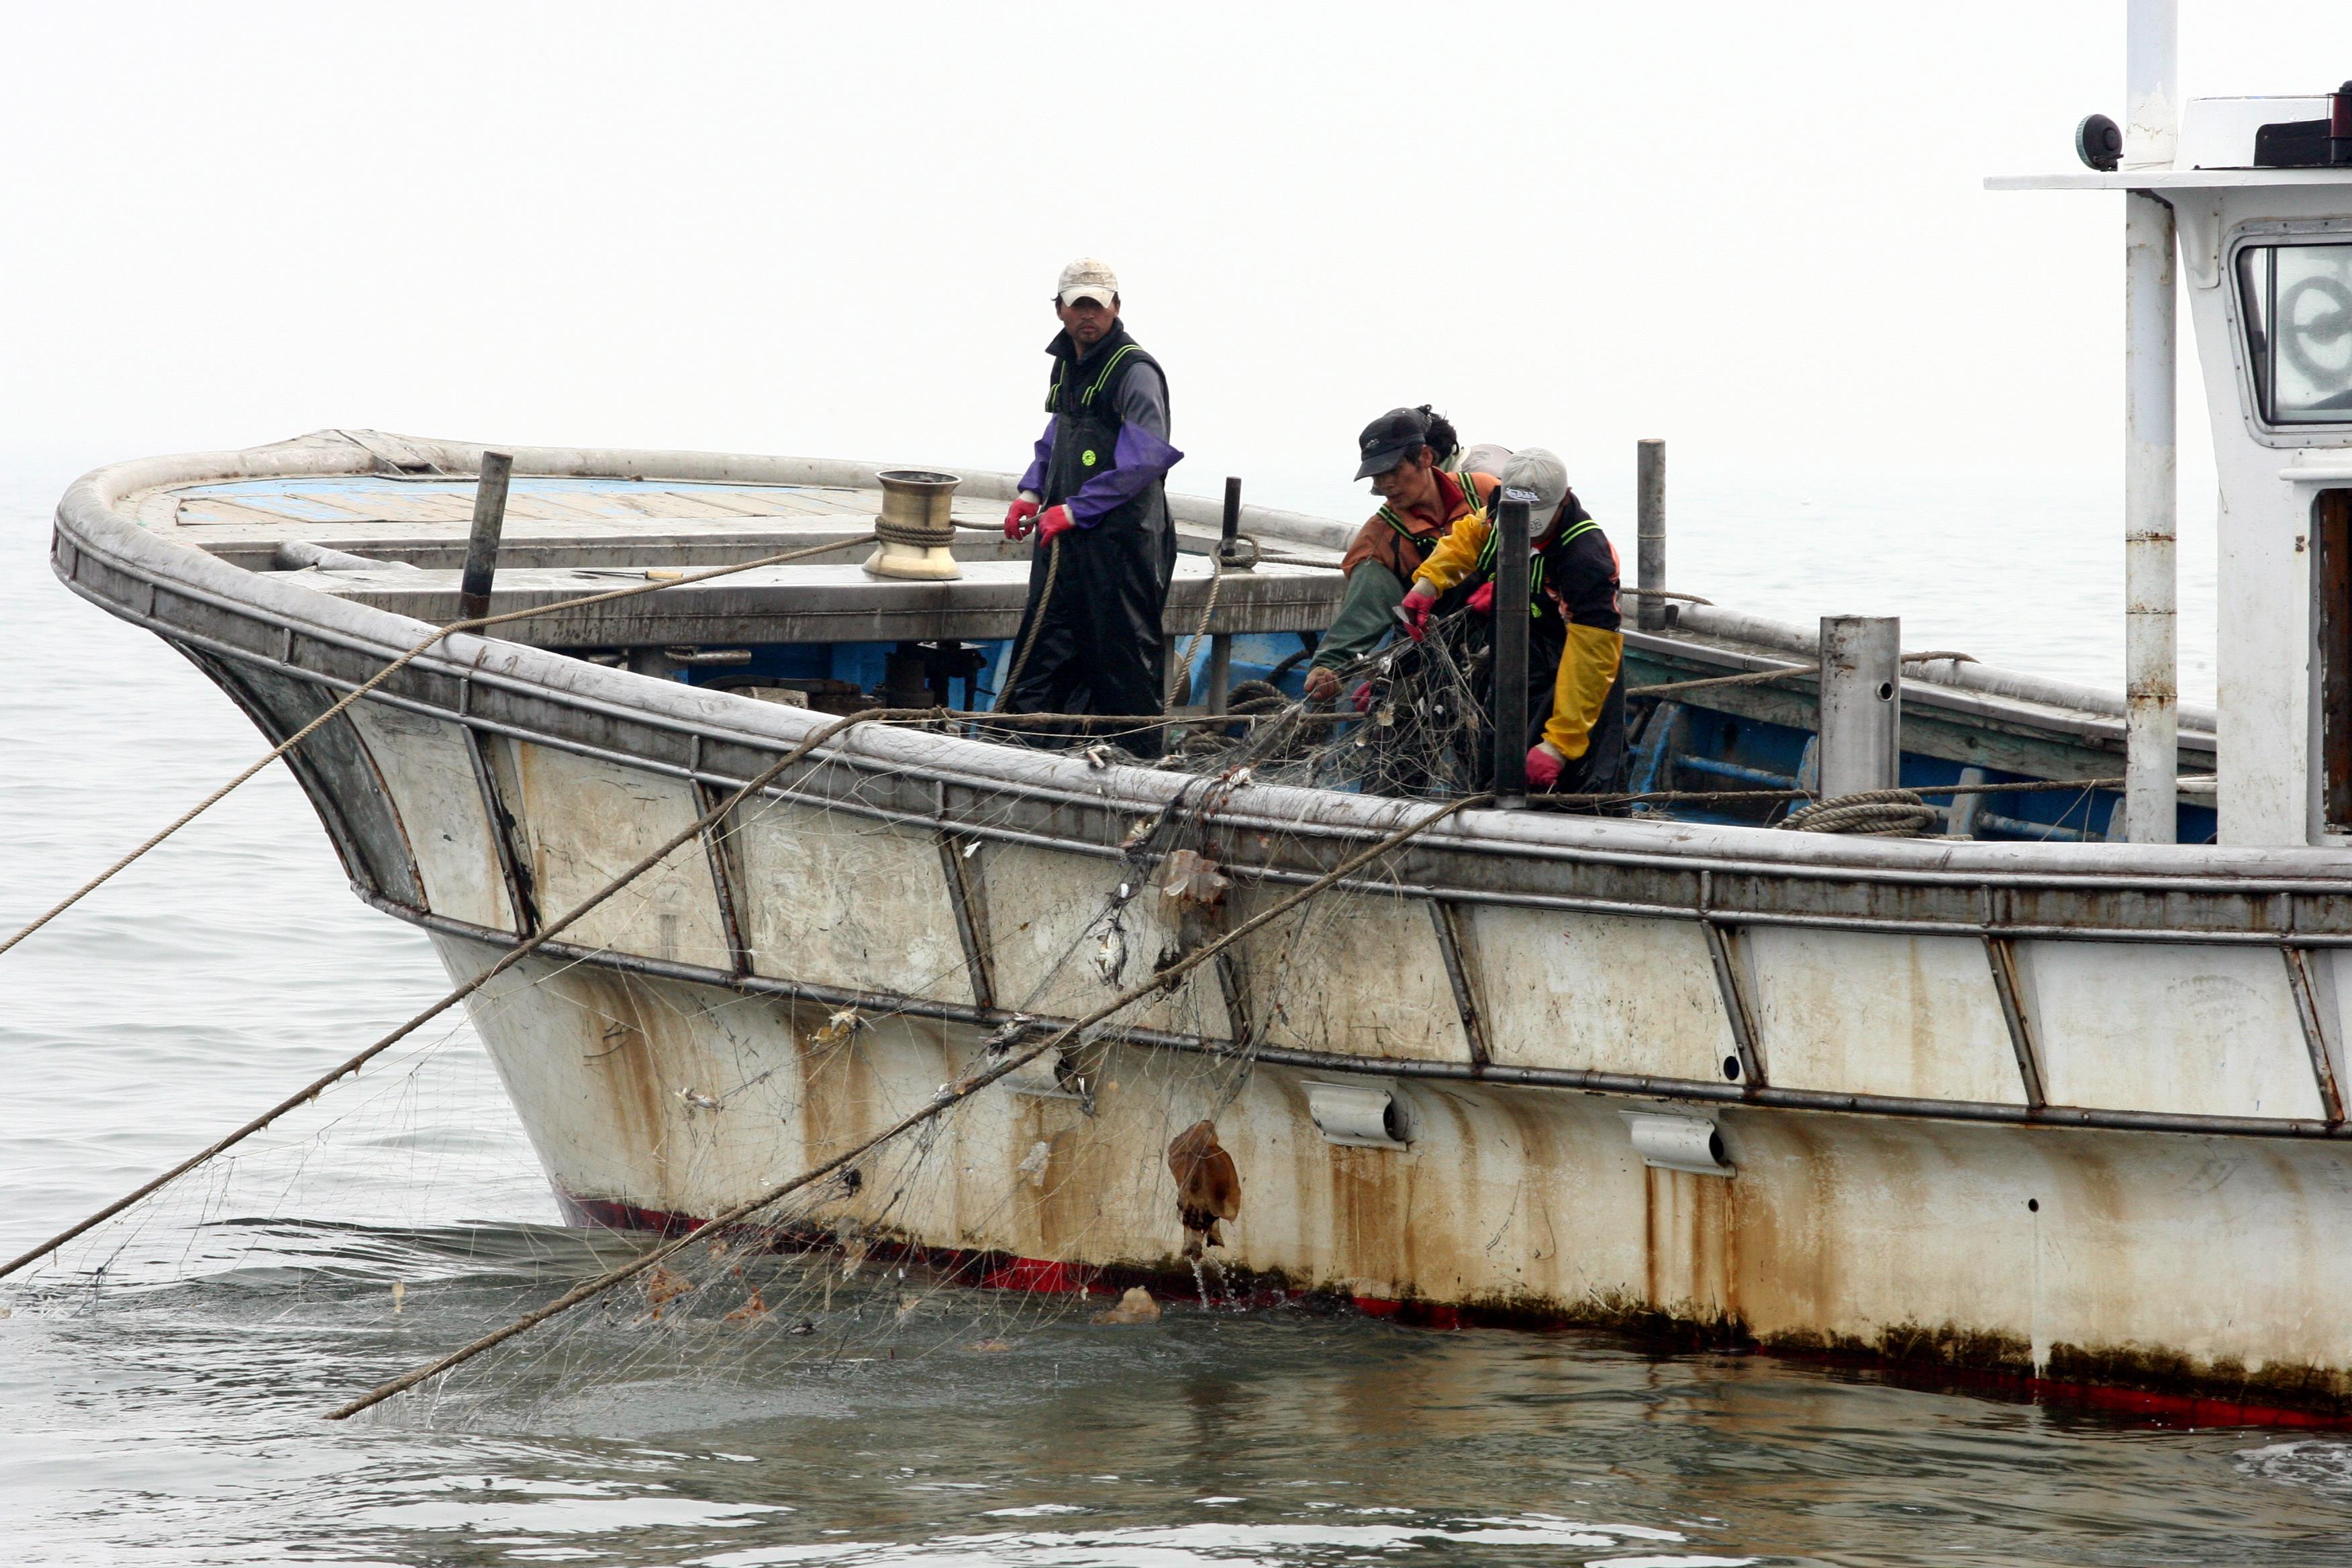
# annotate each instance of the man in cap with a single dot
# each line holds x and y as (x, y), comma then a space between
(1412, 457)
(1576, 648)
(1096, 497)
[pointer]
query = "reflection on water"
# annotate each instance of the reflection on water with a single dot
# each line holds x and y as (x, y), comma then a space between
(178, 1421)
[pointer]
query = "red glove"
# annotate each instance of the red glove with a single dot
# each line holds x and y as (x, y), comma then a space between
(1483, 601)
(1053, 524)
(1017, 516)
(1415, 612)
(1543, 765)
(1363, 697)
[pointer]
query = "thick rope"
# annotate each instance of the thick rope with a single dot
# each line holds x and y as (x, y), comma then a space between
(1036, 623)
(1760, 677)
(1752, 678)
(1183, 670)
(949, 1095)
(924, 536)
(512, 956)
(1871, 814)
(386, 673)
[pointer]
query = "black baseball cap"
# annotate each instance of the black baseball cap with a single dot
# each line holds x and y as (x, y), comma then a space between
(1389, 439)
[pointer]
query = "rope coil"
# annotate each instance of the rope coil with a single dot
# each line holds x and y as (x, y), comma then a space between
(921, 536)
(1871, 814)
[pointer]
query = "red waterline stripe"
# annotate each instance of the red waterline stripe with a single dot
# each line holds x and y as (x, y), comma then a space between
(1043, 1275)
(1030, 1275)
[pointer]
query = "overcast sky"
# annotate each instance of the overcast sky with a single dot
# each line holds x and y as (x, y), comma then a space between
(1757, 230)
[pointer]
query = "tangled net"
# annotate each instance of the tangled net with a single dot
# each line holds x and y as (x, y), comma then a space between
(356, 1218)
(1410, 723)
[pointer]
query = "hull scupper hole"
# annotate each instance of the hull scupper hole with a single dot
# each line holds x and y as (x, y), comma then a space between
(1366, 1116)
(1669, 1141)
(1731, 1069)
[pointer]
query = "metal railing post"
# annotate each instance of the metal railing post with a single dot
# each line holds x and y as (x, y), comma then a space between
(482, 544)
(1221, 643)
(1861, 704)
(2151, 497)
(1650, 506)
(1511, 649)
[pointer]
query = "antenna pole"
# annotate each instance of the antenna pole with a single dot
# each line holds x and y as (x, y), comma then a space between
(2151, 497)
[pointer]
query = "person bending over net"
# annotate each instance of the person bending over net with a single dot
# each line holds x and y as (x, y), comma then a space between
(1576, 647)
(1406, 454)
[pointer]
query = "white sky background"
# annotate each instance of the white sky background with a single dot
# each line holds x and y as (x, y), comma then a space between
(1758, 231)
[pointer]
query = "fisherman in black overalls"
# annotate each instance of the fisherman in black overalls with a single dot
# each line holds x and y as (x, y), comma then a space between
(1576, 642)
(1095, 496)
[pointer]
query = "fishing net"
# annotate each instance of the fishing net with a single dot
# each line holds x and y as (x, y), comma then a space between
(353, 1215)
(1411, 722)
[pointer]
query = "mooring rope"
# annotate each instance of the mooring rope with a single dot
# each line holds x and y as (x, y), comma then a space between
(1761, 676)
(949, 1096)
(386, 673)
(513, 956)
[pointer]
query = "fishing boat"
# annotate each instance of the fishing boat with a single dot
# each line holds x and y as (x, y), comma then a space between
(2052, 1090)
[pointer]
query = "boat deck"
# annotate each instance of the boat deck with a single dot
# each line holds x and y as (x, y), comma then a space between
(824, 626)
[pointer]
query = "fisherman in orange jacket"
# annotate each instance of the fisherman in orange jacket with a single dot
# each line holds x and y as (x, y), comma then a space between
(1576, 647)
(1405, 453)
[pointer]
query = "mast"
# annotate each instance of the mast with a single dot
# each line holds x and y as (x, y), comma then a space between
(2152, 502)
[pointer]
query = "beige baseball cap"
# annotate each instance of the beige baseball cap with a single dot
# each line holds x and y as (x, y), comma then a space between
(1087, 279)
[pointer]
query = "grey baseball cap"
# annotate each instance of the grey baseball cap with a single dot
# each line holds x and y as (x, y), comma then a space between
(1538, 471)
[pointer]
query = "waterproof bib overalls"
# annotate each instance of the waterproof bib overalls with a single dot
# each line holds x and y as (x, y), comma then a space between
(1098, 646)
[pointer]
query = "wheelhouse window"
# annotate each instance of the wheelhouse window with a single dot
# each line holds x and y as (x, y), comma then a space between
(2296, 302)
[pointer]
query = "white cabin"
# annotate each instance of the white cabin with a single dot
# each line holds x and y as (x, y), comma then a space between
(2266, 254)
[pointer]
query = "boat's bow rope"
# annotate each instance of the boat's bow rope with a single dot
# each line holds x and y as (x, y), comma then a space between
(386, 673)
(507, 961)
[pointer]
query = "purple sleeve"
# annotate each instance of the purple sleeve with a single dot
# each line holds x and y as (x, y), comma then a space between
(1142, 456)
(1139, 458)
(1033, 477)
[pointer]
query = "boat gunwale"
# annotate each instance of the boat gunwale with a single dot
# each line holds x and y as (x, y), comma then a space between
(1230, 820)
(87, 514)
(1227, 816)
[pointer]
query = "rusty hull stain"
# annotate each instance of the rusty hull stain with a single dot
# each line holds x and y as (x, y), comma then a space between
(622, 1064)
(1508, 1209)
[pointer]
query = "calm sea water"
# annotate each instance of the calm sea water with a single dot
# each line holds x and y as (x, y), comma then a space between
(177, 1422)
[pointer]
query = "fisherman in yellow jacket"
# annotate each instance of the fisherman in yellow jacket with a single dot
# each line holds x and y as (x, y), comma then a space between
(1576, 648)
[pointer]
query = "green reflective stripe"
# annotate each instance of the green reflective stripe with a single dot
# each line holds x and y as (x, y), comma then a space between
(1109, 365)
(1535, 566)
(1578, 530)
(1388, 514)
